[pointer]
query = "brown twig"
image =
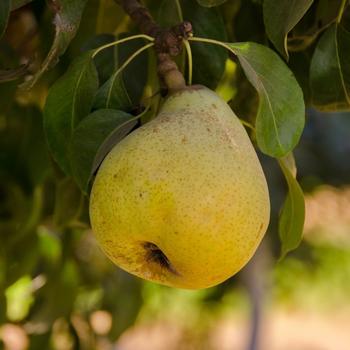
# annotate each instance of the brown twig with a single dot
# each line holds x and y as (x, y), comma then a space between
(168, 42)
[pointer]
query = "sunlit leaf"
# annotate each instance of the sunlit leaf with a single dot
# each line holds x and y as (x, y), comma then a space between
(292, 216)
(19, 298)
(69, 101)
(280, 17)
(330, 70)
(281, 114)
(49, 245)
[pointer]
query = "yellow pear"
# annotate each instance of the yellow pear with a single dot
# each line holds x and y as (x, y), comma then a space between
(182, 200)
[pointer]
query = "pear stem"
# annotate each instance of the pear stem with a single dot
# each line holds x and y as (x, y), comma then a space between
(167, 44)
(169, 71)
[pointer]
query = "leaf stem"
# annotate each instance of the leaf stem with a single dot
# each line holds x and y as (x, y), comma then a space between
(117, 42)
(341, 10)
(210, 41)
(190, 63)
(120, 69)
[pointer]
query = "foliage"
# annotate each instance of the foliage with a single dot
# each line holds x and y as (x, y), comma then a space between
(64, 103)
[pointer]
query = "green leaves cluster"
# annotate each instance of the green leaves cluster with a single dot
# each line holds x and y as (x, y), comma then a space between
(78, 136)
(323, 70)
(69, 101)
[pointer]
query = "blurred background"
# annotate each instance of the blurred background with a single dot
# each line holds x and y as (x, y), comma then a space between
(58, 291)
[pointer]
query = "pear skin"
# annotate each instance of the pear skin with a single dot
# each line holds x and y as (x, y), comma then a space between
(182, 200)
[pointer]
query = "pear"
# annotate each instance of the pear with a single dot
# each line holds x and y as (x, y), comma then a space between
(182, 200)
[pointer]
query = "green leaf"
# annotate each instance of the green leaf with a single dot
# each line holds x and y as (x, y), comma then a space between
(280, 17)
(66, 21)
(123, 90)
(330, 70)
(94, 138)
(281, 113)
(113, 94)
(210, 3)
(106, 61)
(208, 60)
(136, 72)
(292, 216)
(5, 7)
(69, 101)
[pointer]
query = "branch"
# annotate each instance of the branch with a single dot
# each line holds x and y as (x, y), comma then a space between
(140, 16)
(168, 42)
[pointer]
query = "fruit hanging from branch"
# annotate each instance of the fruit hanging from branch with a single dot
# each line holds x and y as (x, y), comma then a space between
(183, 200)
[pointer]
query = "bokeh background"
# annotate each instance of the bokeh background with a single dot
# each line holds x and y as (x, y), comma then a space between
(58, 291)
